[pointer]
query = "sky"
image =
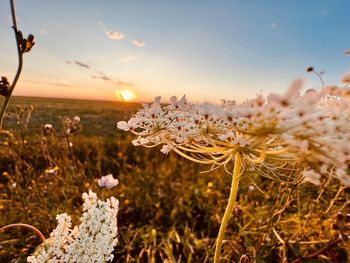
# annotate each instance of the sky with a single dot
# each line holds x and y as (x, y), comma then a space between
(207, 50)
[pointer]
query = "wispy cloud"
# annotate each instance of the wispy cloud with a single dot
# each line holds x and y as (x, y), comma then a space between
(102, 76)
(83, 65)
(114, 35)
(56, 83)
(128, 58)
(138, 43)
(124, 84)
(78, 63)
(99, 75)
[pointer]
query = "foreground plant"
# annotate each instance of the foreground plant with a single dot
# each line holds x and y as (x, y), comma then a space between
(287, 138)
(92, 241)
(24, 45)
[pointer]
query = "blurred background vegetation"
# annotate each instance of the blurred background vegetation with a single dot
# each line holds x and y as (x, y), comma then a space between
(170, 211)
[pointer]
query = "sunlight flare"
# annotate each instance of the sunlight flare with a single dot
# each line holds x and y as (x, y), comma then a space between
(125, 94)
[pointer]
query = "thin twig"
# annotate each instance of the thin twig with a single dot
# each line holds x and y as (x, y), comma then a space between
(70, 151)
(283, 243)
(341, 188)
(318, 252)
(20, 64)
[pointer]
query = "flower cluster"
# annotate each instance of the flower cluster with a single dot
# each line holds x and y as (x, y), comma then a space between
(92, 241)
(107, 181)
(72, 125)
(279, 135)
(48, 129)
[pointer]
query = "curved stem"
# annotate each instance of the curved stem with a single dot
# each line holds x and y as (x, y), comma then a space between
(37, 231)
(13, 14)
(229, 207)
(19, 68)
(320, 77)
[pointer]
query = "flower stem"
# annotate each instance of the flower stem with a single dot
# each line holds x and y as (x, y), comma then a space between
(229, 207)
(36, 231)
(19, 67)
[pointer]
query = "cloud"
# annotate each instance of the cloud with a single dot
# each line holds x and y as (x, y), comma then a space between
(274, 25)
(78, 63)
(97, 74)
(57, 83)
(101, 75)
(83, 65)
(128, 58)
(125, 84)
(138, 43)
(114, 35)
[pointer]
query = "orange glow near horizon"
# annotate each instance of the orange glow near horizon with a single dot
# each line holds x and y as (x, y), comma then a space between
(125, 94)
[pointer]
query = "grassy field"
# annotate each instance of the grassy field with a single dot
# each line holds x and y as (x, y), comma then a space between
(98, 118)
(169, 210)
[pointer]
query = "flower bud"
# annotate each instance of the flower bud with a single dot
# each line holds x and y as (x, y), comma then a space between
(244, 259)
(340, 216)
(347, 218)
(309, 69)
(237, 210)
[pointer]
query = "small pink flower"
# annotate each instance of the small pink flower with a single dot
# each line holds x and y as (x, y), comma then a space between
(107, 181)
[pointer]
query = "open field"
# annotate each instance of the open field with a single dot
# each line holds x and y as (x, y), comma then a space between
(98, 117)
(169, 210)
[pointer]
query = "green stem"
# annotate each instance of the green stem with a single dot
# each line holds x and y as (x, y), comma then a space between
(229, 207)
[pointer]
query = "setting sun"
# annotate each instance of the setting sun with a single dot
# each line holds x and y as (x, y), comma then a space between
(125, 94)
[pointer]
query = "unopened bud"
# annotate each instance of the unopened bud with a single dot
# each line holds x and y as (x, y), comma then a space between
(237, 210)
(340, 216)
(347, 217)
(4, 86)
(244, 259)
(309, 69)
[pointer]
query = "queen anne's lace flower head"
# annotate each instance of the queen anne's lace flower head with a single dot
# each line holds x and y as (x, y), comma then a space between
(92, 241)
(293, 132)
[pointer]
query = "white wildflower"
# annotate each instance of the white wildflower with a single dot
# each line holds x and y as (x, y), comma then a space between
(48, 129)
(123, 125)
(346, 78)
(48, 126)
(107, 181)
(312, 177)
(342, 175)
(292, 128)
(76, 119)
(92, 241)
(166, 149)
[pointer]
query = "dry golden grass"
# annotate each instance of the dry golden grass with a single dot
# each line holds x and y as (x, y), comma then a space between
(169, 211)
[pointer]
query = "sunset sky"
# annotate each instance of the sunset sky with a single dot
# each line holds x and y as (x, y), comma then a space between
(207, 50)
